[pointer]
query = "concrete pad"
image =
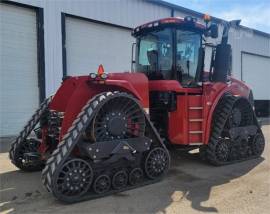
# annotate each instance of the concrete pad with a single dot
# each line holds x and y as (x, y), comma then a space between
(190, 187)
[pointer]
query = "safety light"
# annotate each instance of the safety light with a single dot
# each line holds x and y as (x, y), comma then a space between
(100, 70)
(206, 18)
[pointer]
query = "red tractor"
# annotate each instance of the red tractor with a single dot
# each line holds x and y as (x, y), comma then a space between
(105, 133)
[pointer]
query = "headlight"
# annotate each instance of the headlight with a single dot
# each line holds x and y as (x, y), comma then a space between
(92, 75)
(104, 76)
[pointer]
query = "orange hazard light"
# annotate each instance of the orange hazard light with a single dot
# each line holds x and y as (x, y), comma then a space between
(100, 70)
(206, 18)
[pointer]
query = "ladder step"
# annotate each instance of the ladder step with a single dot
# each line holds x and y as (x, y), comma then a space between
(196, 108)
(196, 120)
(196, 143)
(195, 132)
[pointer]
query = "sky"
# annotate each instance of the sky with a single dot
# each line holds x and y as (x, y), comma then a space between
(253, 13)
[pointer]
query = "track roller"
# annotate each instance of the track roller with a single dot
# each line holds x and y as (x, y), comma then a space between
(156, 163)
(102, 184)
(135, 176)
(258, 144)
(120, 179)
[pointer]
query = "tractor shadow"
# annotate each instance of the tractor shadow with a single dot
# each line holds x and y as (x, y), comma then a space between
(195, 179)
(189, 179)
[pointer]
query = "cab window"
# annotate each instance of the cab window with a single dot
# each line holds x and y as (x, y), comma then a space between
(155, 51)
(187, 51)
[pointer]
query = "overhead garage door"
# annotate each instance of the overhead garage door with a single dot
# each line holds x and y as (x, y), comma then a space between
(256, 73)
(89, 44)
(19, 94)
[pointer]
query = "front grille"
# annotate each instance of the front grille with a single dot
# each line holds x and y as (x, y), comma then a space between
(54, 124)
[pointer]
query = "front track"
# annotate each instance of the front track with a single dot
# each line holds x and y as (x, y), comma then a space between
(114, 163)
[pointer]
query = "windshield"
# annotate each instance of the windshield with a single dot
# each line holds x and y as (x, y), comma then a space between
(155, 54)
(161, 59)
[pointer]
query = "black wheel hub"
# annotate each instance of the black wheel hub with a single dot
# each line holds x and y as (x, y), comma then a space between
(156, 163)
(76, 177)
(119, 118)
(102, 184)
(135, 176)
(116, 124)
(222, 150)
(73, 179)
(120, 179)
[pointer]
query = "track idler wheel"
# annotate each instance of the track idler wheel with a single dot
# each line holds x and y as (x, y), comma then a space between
(73, 180)
(258, 144)
(156, 163)
(102, 184)
(120, 180)
(135, 176)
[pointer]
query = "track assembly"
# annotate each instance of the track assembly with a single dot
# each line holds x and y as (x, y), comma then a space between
(23, 147)
(236, 135)
(115, 163)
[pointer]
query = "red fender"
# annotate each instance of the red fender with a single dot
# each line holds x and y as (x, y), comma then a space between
(76, 91)
(214, 93)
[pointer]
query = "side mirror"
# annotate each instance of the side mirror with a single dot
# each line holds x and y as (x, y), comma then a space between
(133, 61)
(213, 30)
(222, 63)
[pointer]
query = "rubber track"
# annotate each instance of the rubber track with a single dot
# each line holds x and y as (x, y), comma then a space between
(30, 125)
(221, 115)
(71, 138)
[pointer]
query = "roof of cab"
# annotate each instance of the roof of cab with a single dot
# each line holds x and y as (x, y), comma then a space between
(169, 21)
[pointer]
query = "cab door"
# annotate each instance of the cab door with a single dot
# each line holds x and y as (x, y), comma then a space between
(186, 123)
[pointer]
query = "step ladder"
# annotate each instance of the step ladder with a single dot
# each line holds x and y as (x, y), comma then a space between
(195, 120)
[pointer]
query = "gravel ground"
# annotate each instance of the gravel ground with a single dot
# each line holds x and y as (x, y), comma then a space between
(190, 187)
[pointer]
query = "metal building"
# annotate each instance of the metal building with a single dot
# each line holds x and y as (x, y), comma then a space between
(42, 41)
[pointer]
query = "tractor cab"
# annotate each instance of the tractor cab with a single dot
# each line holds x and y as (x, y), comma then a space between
(170, 52)
(172, 49)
